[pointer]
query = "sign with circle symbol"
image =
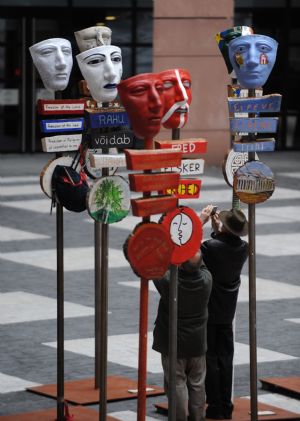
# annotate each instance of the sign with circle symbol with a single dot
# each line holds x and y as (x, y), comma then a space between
(108, 200)
(185, 229)
(149, 249)
(254, 182)
(232, 162)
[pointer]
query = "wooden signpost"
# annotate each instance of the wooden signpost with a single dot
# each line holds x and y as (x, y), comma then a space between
(188, 188)
(263, 104)
(62, 125)
(188, 147)
(61, 143)
(253, 125)
(115, 139)
(260, 145)
(61, 106)
(111, 117)
(188, 167)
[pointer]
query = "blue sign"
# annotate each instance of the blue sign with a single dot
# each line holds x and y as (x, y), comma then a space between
(97, 120)
(254, 125)
(63, 125)
(264, 104)
(263, 145)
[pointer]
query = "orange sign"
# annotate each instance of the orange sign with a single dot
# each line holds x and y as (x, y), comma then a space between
(187, 189)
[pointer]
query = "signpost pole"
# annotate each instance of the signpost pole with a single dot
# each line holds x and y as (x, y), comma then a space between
(60, 302)
(173, 315)
(143, 325)
(252, 297)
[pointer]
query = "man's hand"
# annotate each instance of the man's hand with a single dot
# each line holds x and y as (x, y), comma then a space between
(205, 214)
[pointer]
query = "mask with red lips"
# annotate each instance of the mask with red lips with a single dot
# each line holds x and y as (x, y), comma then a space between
(178, 96)
(143, 98)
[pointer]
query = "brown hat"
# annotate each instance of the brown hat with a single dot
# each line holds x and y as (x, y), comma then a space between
(234, 221)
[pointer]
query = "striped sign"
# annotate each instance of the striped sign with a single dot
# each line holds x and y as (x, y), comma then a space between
(63, 125)
(254, 125)
(264, 104)
(261, 145)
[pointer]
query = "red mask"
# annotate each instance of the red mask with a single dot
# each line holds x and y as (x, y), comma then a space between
(178, 96)
(142, 97)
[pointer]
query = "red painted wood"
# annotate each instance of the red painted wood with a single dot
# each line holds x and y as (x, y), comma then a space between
(187, 189)
(186, 146)
(153, 181)
(149, 250)
(151, 159)
(61, 106)
(153, 205)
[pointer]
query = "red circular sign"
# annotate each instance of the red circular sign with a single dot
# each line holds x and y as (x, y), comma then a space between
(185, 229)
(149, 249)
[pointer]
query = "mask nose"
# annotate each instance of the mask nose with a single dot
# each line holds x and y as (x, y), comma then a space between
(60, 60)
(109, 71)
(253, 56)
(155, 103)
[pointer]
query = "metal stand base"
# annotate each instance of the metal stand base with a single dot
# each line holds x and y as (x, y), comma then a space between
(83, 392)
(80, 414)
(289, 386)
(242, 411)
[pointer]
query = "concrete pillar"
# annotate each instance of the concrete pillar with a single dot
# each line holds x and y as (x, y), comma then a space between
(184, 36)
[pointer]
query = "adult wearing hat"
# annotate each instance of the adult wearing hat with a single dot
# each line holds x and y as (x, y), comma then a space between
(224, 255)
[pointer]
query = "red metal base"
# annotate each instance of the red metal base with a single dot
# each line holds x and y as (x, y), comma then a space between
(242, 411)
(289, 386)
(83, 392)
(79, 413)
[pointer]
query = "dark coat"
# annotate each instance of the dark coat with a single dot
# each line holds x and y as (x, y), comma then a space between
(224, 256)
(193, 293)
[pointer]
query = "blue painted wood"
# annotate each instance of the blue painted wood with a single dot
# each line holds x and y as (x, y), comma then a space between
(264, 104)
(107, 119)
(266, 145)
(254, 125)
(62, 125)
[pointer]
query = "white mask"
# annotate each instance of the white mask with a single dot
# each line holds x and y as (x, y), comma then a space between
(92, 37)
(102, 69)
(53, 60)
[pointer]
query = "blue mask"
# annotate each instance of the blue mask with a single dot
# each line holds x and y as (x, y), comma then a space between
(252, 58)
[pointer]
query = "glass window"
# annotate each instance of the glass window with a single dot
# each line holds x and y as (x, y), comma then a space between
(143, 60)
(144, 27)
(31, 3)
(103, 3)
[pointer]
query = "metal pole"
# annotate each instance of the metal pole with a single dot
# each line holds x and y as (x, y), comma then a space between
(143, 327)
(97, 237)
(60, 301)
(173, 316)
(103, 314)
(252, 297)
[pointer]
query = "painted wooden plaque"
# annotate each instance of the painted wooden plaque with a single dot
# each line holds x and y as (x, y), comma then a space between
(62, 125)
(186, 146)
(107, 161)
(61, 143)
(237, 91)
(253, 182)
(153, 182)
(108, 200)
(47, 171)
(153, 205)
(187, 167)
(185, 229)
(111, 117)
(232, 162)
(264, 104)
(187, 189)
(254, 125)
(119, 139)
(61, 106)
(92, 171)
(260, 145)
(149, 249)
(151, 159)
